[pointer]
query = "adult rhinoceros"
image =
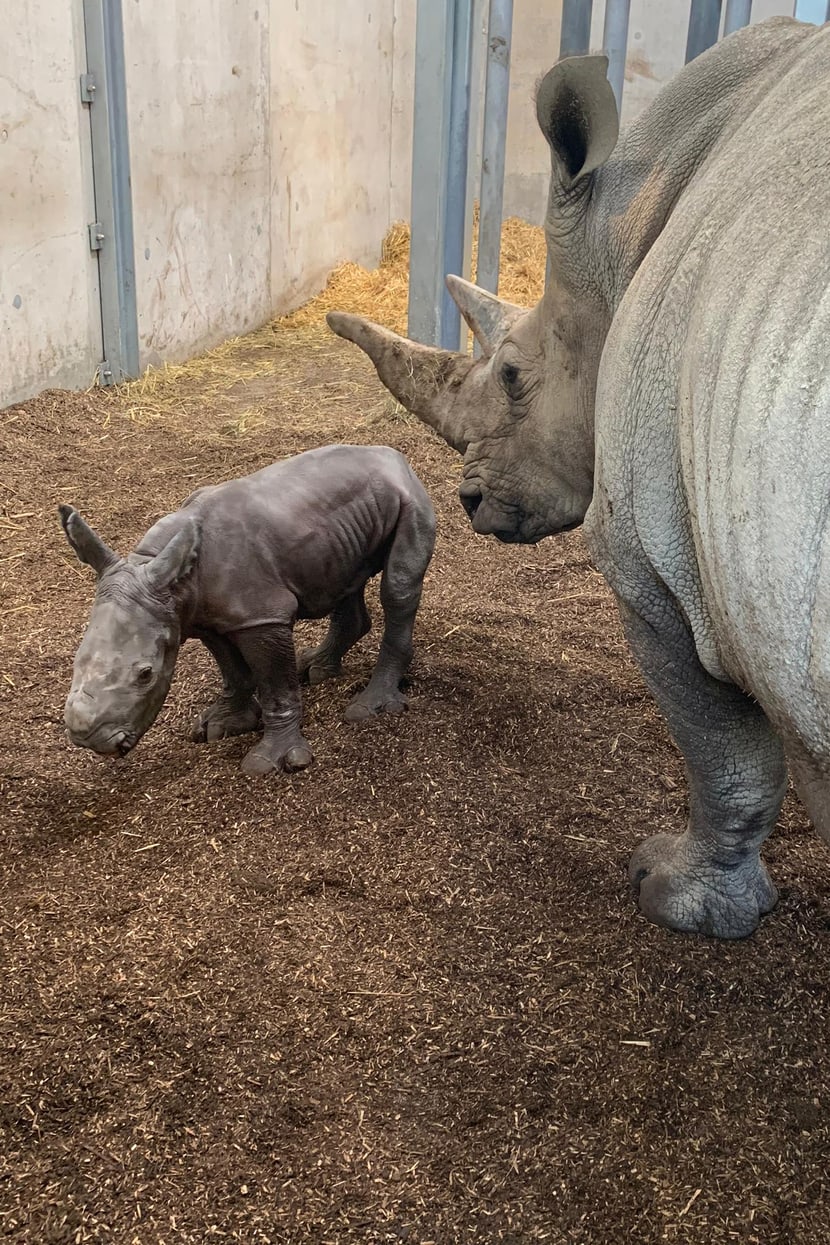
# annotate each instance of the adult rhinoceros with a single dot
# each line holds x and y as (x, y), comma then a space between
(672, 391)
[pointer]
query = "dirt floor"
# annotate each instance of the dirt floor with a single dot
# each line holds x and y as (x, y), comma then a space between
(404, 995)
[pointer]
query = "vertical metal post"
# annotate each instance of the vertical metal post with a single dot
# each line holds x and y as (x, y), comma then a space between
(104, 87)
(704, 25)
(443, 43)
(459, 149)
(738, 14)
(575, 35)
(496, 94)
(615, 44)
(478, 59)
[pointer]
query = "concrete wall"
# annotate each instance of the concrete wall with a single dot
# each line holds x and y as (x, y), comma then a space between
(331, 139)
(270, 140)
(198, 107)
(49, 322)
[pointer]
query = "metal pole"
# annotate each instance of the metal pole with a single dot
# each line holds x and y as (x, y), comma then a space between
(450, 334)
(704, 25)
(495, 132)
(615, 44)
(738, 14)
(575, 35)
(104, 88)
(443, 40)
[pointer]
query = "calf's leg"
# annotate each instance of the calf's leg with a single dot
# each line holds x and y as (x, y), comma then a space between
(348, 623)
(235, 711)
(400, 594)
(269, 654)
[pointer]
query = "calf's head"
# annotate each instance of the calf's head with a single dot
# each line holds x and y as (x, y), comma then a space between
(523, 413)
(124, 664)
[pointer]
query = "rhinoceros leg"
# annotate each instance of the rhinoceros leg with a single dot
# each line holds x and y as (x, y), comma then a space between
(269, 654)
(348, 623)
(709, 880)
(400, 594)
(235, 711)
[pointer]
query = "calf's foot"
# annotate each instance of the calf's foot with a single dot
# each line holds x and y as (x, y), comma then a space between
(679, 887)
(227, 716)
(277, 753)
(369, 703)
(315, 666)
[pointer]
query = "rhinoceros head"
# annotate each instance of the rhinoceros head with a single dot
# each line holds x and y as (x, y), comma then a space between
(125, 661)
(522, 414)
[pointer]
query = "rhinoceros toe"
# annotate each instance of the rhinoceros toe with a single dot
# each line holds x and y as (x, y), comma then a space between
(678, 888)
(363, 706)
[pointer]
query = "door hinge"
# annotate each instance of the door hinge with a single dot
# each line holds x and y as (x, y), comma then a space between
(88, 88)
(96, 235)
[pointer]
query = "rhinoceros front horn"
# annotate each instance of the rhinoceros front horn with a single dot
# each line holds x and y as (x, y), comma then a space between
(423, 379)
(87, 544)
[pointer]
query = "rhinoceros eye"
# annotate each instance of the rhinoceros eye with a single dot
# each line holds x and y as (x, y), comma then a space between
(509, 375)
(144, 675)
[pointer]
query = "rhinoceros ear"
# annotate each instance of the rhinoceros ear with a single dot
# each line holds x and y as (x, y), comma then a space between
(87, 544)
(177, 558)
(577, 114)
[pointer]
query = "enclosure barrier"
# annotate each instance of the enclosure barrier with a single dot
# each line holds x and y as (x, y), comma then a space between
(445, 141)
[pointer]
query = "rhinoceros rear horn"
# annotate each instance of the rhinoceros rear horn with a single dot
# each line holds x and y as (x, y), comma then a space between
(177, 558)
(577, 114)
(87, 544)
(489, 317)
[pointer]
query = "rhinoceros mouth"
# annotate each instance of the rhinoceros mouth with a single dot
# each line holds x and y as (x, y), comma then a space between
(105, 742)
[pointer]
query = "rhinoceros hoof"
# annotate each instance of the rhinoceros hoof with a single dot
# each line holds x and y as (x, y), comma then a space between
(225, 718)
(314, 669)
(267, 756)
(679, 889)
(363, 706)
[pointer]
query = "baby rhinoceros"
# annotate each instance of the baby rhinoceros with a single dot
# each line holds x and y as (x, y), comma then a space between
(235, 567)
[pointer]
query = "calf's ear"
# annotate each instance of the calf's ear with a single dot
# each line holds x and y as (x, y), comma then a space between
(577, 114)
(87, 544)
(177, 558)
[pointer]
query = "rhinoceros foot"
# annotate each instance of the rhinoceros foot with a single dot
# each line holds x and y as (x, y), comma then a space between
(679, 888)
(275, 754)
(315, 667)
(225, 717)
(369, 704)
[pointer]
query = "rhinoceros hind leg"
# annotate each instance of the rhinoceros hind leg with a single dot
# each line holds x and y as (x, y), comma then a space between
(709, 880)
(235, 711)
(400, 594)
(349, 622)
(227, 716)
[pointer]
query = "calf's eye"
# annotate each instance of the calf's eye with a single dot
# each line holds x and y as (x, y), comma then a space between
(144, 675)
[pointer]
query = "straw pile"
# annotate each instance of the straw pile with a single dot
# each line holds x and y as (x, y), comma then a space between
(382, 294)
(175, 390)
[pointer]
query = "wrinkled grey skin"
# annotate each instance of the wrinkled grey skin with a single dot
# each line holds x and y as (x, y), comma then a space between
(672, 390)
(235, 567)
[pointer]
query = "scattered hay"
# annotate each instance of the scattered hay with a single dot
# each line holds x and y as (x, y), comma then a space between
(175, 391)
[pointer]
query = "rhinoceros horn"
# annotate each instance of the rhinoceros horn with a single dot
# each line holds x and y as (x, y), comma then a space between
(87, 543)
(489, 317)
(422, 378)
